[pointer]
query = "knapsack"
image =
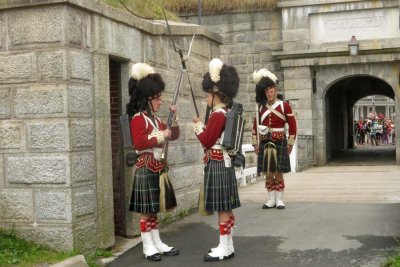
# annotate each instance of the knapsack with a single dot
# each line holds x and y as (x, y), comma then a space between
(233, 133)
(131, 156)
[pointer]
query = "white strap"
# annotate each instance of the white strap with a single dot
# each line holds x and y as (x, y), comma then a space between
(148, 120)
(270, 108)
(227, 158)
(277, 129)
(277, 113)
(220, 110)
(144, 151)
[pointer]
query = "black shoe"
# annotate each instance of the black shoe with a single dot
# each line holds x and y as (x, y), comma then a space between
(172, 252)
(264, 207)
(209, 258)
(154, 257)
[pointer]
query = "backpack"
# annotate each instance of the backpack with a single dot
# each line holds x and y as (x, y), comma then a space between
(131, 156)
(233, 133)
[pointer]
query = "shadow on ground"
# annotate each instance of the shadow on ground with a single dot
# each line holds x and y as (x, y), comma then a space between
(365, 155)
(260, 251)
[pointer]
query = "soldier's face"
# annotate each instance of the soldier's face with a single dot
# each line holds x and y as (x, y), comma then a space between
(156, 103)
(210, 99)
(271, 93)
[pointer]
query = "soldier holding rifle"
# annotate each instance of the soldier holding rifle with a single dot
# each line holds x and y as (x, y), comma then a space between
(269, 136)
(149, 133)
(219, 192)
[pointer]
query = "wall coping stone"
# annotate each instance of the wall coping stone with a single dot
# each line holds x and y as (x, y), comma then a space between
(154, 27)
(330, 52)
(300, 3)
(296, 3)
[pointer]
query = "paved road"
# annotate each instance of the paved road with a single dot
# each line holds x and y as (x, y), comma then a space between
(336, 216)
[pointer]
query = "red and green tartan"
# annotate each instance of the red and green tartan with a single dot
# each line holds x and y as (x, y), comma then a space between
(282, 156)
(220, 187)
(145, 197)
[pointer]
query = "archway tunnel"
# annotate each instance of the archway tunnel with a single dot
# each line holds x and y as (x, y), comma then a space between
(339, 101)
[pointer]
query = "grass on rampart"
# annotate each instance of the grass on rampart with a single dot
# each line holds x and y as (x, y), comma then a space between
(215, 6)
(148, 9)
(152, 9)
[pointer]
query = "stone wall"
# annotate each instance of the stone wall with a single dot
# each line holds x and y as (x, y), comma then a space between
(315, 49)
(55, 132)
(302, 41)
(249, 41)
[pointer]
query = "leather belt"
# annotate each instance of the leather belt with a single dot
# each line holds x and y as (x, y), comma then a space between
(268, 136)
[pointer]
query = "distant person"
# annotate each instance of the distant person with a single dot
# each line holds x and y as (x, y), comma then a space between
(372, 133)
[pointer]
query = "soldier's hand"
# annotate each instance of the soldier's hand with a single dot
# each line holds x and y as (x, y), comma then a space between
(173, 108)
(256, 149)
(196, 119)
(167, 133)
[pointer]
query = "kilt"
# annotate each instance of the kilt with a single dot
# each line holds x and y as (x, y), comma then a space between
(220, 187)
(145, 197)
(282, 156)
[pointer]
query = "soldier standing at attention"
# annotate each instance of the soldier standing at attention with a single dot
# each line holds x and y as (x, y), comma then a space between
(269, 136)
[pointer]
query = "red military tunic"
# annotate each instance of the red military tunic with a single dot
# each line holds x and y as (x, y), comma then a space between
(276, 124)
(148, 138)
(208, 136)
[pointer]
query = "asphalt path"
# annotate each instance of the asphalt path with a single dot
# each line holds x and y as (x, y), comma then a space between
(336, 216)
(304, 234)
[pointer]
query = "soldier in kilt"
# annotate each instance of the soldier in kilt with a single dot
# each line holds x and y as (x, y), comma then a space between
(220, 191)
(269, 136)
(148, 133)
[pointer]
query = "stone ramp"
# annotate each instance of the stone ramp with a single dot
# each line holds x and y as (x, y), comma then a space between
(335, 184)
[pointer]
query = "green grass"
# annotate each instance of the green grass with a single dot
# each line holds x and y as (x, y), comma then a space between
(15, 251)
(18, 252)
(149, 9)
(152, 9)
(100, 253)
(215, 6)
(392, 261)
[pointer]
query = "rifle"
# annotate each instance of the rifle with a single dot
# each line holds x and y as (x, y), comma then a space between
(164, 152)
(257, 123)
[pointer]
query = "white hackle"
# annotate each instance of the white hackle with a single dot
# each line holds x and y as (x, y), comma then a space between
(215, 69)
(258, 75)
(141, 70)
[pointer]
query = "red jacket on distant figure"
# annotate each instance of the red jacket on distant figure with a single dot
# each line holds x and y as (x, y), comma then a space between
(273, 121)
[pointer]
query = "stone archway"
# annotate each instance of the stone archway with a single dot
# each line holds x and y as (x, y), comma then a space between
(339, 100)
(337, 89)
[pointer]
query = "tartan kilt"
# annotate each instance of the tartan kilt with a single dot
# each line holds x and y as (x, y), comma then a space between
(145, 197)
(282, 156)
(220, 187)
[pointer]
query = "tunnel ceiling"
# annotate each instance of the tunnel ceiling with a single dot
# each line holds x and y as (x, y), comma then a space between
(358, 87)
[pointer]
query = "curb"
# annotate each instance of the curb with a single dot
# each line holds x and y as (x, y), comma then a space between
(76, 261)
(121, 246)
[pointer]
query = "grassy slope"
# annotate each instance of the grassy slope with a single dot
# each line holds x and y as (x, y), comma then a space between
(152, 9)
